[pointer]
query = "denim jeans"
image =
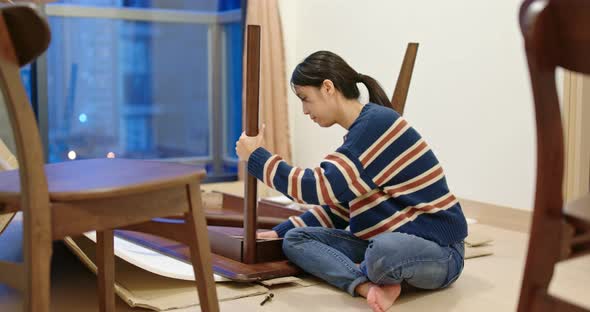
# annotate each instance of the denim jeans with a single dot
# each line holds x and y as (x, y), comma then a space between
(388, 258)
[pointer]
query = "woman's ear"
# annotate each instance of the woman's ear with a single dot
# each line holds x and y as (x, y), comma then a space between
(328, 85)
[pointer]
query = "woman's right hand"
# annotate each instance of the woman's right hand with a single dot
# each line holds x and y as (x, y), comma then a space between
(267, 235)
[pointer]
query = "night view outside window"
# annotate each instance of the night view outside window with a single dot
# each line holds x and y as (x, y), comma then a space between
(159, 79)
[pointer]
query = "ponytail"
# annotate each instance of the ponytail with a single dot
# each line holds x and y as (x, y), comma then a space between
(323, 65)
(376, 93)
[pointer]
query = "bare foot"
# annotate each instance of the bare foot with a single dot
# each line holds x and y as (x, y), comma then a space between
(381, 298)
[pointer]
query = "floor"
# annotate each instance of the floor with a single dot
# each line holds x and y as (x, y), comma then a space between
(488, 284)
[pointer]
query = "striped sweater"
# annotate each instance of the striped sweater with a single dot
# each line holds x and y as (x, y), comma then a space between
(383, 178)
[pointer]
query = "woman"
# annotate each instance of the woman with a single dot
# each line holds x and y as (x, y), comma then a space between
(384, 212)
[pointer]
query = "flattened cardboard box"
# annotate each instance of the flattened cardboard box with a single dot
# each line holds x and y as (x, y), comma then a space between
(140, 288)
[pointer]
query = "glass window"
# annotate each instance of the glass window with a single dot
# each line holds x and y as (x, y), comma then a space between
(233, 114)
(134, 81)
(26, 76)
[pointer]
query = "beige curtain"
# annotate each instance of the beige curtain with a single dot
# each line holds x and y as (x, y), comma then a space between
(273, 84)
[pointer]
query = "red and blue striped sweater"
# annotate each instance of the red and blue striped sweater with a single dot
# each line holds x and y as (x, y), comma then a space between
(383, 178)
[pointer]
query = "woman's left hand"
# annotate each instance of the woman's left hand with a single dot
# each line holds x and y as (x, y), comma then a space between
(246, 145)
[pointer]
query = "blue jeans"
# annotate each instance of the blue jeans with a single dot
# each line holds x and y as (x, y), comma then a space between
(388, 258)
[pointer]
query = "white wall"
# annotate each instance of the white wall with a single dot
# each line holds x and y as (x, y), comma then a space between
(470, 95)
(288, 11)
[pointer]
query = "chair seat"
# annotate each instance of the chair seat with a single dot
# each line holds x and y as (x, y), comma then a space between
(579, 209)
(102, 178)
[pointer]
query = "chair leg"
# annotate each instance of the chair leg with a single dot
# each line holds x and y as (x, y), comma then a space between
(38, 276)
(201, 251)
(105, 263)
(37, 250)
(543, 253)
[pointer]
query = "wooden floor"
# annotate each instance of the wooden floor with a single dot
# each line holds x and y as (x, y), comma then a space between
(487, 284)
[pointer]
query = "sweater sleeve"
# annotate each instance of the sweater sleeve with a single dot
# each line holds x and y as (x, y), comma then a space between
(321, 216)
(339, 178)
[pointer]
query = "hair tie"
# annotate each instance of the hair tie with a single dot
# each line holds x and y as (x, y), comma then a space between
(359, 77)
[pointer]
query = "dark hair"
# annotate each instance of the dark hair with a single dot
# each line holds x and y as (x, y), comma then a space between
(323, 65)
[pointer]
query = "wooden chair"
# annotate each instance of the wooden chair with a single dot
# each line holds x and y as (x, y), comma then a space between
(556, 33)
(74, 197)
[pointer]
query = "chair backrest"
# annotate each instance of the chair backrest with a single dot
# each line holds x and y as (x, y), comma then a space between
(556, 33)
(402, 86)
(24, 35)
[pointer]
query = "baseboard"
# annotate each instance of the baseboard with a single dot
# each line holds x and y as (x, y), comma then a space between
(500, 216)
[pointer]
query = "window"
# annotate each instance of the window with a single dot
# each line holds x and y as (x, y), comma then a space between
(138, 79)
(26, 76)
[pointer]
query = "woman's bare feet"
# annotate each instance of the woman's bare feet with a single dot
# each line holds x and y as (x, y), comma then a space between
(381, 298)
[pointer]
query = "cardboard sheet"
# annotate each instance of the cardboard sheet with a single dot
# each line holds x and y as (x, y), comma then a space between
(140, 288)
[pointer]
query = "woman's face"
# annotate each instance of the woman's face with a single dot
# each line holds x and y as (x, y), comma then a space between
(318, 103)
